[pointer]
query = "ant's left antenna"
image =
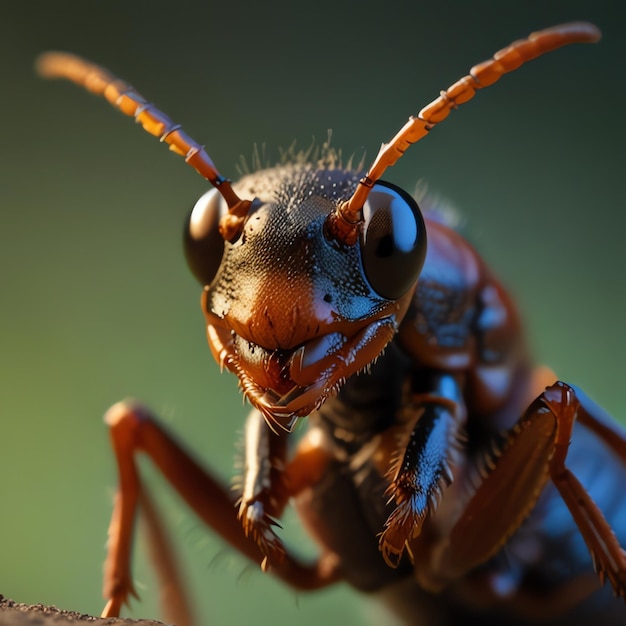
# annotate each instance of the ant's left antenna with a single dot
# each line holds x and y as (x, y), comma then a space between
(344, 224)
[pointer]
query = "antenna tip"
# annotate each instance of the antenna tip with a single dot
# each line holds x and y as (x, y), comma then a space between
(577, 32)
(46, 63)
(590, 32)
(54, 64)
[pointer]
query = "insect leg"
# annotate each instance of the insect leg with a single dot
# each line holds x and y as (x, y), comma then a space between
(568, 404)
(269, 480)
(422, 466)
(173, 599)
(133, 429)
(263, 490)
(511, 478)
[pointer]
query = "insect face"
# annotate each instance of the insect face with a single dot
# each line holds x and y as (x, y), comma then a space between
(315, 310)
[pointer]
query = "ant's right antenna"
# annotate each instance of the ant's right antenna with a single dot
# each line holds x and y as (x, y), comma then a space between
(130, 102)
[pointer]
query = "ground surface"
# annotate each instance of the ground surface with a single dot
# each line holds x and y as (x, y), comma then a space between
(16, 614)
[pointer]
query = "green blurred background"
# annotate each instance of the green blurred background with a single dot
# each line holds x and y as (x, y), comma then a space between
(97, 304)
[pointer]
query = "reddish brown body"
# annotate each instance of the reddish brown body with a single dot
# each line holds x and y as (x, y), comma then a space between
(441, 469)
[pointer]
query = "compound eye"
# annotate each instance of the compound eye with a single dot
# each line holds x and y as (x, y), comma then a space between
(393, 240)
(204, 246)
